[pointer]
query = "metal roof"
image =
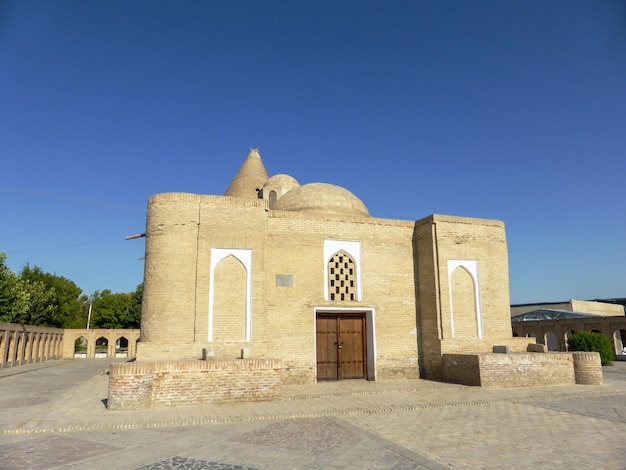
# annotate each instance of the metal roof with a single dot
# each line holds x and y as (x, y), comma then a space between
(549, 314)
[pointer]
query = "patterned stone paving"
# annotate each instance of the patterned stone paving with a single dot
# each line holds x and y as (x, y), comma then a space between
(304, 435)
(181, 463)
(612, 408)
(394, 425)
(36, 453)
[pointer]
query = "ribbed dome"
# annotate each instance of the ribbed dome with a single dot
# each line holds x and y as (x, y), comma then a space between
(323, 198)
(251, 175)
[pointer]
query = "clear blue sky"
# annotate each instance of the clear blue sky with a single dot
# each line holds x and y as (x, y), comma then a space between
(511, 110)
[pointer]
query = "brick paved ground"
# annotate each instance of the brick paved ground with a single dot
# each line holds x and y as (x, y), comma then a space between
(53, 416)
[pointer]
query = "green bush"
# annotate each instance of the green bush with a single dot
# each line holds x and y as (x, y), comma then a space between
(590, 341)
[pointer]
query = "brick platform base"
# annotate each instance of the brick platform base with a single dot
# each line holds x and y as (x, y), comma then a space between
(522, 369)
(137, 385)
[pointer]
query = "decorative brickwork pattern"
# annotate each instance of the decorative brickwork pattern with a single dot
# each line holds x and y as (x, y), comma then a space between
(342, 277)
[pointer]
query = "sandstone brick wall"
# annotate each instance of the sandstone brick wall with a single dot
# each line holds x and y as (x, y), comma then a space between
(588, 368)
(93, 334)
(295, 247)
(401, 262)
(510, 370)
(25, 344)
(438, 240)
(141, 385)
(176, 305)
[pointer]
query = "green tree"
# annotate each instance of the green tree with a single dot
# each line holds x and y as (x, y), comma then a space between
(40, 299)
(134, 317)
(110, 310)
(590, 341)
(13, 296)
(67, 311)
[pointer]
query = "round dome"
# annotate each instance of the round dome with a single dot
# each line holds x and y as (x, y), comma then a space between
(281, 181)
(324, 198)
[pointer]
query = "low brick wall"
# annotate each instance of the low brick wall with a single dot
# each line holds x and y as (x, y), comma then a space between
(138, 385)
(521, 369)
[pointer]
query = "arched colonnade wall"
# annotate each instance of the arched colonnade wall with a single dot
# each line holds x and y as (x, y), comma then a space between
(26, 344)
(554, 333)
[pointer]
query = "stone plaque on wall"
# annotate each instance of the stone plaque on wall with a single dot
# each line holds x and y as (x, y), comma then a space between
(284, 280)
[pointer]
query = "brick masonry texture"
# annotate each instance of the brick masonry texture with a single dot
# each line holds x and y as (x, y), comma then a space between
(523, 369)
(142, 385)
(415, 310)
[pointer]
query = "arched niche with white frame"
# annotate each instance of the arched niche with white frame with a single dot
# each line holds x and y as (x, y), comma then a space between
(471, 268)
(245, 257)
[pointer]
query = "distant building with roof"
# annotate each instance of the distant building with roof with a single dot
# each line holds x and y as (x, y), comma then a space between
(552, 326)
(607, 307)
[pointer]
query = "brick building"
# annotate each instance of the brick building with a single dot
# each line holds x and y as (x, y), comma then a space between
(303, 274)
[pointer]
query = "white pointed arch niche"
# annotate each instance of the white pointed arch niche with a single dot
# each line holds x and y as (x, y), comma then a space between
(245, 258)
(471, 268)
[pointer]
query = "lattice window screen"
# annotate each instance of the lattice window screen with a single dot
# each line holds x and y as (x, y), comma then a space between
(341, 277)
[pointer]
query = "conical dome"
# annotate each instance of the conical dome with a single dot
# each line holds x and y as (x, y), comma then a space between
(251, 175)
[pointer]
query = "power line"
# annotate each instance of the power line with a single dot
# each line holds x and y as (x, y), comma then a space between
(70, 199)
(76, 245)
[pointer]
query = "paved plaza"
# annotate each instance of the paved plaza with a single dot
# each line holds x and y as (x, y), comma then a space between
(53, 416)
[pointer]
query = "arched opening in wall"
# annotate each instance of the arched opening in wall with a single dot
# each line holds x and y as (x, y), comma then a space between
(53, 347)
(80, 347)
(551, 341)
(567, 335)
(121, 347)
(272, 199)
(45, 346)
(28, 350)
(7, 351)
(596, 331)
(531, 335)
(19, 349)
(102, 347)
(342, 277)
(463, 306)
(229, 297)
(619, 340)
(38, 347)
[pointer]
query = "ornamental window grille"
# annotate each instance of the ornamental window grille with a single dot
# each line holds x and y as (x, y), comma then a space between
(342, 277)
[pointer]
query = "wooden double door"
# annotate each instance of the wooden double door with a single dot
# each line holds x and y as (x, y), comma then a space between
(340, 346)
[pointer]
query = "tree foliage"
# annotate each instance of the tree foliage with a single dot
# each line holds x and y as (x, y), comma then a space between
(110, 310)
(591, 341)
(64, 296)
(35, 297)
(13, 297)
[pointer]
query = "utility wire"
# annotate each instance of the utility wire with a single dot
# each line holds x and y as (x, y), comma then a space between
(76, 245)
(70, 199)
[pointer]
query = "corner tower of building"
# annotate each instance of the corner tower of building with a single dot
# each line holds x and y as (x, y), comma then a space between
(250, 177)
